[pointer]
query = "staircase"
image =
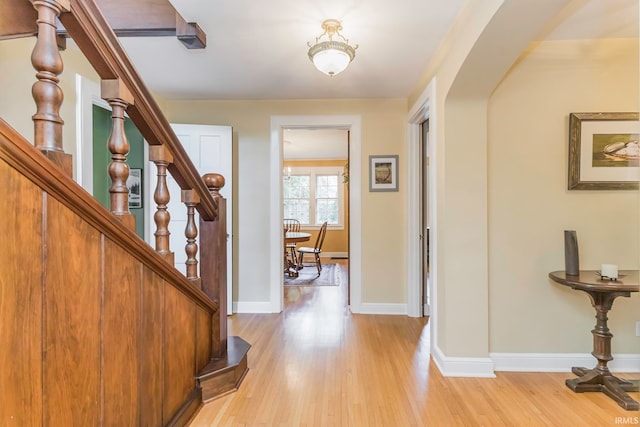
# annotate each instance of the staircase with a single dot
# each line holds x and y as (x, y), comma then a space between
(97, 327)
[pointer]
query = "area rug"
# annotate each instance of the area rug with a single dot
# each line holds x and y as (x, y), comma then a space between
(308, 276)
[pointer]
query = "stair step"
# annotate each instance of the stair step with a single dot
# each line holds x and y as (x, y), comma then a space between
(224, 375)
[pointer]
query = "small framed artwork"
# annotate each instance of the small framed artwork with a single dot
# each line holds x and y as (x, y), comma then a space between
(383, 173)
(604, 151)
(134, 183)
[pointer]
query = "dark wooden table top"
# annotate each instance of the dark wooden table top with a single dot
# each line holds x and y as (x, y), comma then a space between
(590, 280)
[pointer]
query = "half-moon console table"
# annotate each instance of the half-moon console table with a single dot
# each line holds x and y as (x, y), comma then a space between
(602, 294)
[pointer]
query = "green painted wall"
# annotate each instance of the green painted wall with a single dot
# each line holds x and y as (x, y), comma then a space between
(102, 158)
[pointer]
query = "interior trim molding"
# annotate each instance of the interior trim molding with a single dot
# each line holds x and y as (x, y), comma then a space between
(478, 367)
(424, 107)
(560, 362)
(382, 308)
(87, 95)
(338, 255)
(421, 110)
(253, 307)
(353, 124)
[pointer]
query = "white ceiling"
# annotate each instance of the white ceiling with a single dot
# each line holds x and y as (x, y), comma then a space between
(258, 49)
(596, 19)
(325, 144)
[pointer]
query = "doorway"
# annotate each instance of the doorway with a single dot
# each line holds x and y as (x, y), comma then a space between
(315, 190)
(423, 183)
(92, 155)
(278, 126)
(424, 216)
(102, 124)
(210, 149)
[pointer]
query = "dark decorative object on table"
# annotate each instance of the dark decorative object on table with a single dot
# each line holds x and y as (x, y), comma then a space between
(571, 263)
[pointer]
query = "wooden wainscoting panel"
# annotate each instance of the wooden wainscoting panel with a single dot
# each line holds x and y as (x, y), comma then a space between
(72, 319)
(203, 338)
(20, 301)
(152, 350)
(180, 349)
(121, 306)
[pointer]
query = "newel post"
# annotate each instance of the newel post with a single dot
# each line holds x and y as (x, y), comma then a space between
(213, 261)
(48, 96)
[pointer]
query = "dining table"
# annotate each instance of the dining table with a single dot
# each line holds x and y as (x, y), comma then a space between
(296, 237)
(290, 266)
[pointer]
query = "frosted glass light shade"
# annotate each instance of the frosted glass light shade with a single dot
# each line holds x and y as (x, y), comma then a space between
(331, 57)
(331, 61)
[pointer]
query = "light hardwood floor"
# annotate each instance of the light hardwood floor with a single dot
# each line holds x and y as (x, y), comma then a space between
(316, 364)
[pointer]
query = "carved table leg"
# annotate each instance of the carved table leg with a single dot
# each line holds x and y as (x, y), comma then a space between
(616, 389)
(600, 379)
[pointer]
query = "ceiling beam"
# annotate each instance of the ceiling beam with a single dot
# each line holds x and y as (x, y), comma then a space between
(17, 19)
(127, 18)
(150, 18)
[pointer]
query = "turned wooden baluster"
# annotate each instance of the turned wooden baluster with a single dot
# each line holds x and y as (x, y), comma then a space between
(48, 96)
(191, 199)
(213, 261)
(162, 157)
(119, 98)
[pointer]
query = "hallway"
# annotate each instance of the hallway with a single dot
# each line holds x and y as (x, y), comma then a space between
(316, 364)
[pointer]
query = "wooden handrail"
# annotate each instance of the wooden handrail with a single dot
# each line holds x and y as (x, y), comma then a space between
(20, 154)
(99, 44)
(145, 319)
(138, 331)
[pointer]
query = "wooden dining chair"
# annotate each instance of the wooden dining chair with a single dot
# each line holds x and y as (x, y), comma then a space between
(292, 225)
(316, 250)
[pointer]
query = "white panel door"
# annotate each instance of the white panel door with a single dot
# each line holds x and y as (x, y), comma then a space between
(210, 150)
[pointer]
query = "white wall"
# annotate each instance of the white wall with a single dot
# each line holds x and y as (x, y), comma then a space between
(470, 62)
(530, 105)
(18, 75)
(383, 214)
(485, 40)
(383, 132)
(530, 206)
(455, 322)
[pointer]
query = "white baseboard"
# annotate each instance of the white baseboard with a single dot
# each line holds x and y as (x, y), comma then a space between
(334, 255)
(481, 367)
(560, 362)
(253, 307)
(376, 308)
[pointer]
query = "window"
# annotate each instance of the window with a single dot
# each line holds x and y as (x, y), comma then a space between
(327, 199)
(314, 195)
(296, 193)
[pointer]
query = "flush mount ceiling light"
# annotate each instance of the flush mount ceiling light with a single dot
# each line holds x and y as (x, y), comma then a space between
(331, 56)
